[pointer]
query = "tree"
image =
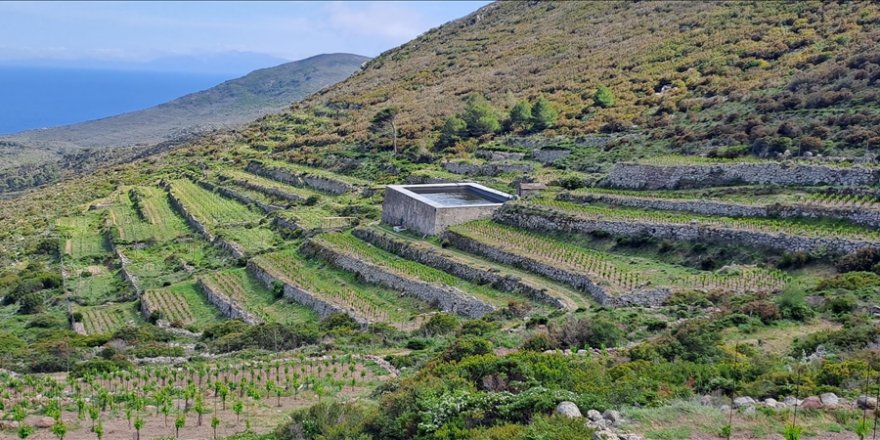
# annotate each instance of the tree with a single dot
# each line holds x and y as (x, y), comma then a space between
(453, 132)
(521, 115)
(480, 116)
(179, 422)
(603, 97)
(138, 425)
(544, 114)
(237, 408)
(385, 121)
(215, 422)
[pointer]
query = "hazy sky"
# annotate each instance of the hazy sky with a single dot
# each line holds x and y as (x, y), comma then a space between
(140, 31)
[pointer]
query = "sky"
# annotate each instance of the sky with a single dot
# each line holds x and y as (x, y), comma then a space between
(108, 33)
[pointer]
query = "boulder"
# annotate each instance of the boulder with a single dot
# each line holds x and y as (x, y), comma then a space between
(40, 422)
(791, 401)
(743, 401)
(612, 417)
(811, 402)
(866, 402)
(594, 415)
(749, 411)
(706, 400)
(829, 400)
(8, 424)
(630, 437)
(605, 435)
(568, 409)
(724, 408)
(771, 403)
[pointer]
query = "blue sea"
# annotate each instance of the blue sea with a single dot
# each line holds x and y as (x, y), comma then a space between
(48, 97)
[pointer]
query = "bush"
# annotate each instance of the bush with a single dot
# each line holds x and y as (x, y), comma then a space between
(480, 117)
(439, 324)
(539, 342)
(521, 116)
(598, 332)
(329, 421)
(603, 97)
(793, 306)
(466, 346)
(851, 281)
(544, 115)
(863, 260)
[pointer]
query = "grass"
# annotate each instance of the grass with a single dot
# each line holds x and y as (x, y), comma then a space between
(311, 218)
(81, 236)
(343, 289)
(99, 286)
(240, 286)
(173, 262)
(346, 243)
(209, 208)
(142, 214)
(239, 177)
(309, 171)
(184, 305)
(803, 227)
(252, 239)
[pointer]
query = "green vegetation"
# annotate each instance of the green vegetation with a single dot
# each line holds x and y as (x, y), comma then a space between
(182, 305)
(242, 288)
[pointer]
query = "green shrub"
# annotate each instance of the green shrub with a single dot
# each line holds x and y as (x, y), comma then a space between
(603, 97)
(480, 117)
(851, 281)
(439, 324)
(544, 114)
(329, 421)
(862, 260)
(521, 115)
(467, 346)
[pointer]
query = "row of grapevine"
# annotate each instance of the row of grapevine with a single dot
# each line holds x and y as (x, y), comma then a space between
(613, 272)
(209, 208)
(174, 307)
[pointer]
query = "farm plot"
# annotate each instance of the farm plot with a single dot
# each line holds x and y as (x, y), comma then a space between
(182, 305)
(343, 290)
(141, 214)
(211, 209)
(617, 274)
(802, 227)
(314, 218)
(270, 187)
(252, 239)
(345, 243)
(304, 171)
(241, 287)
(108, 318)
(81, 236)
(92, 284)
(171, 262)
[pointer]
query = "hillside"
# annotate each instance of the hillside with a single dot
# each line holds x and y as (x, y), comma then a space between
(224, 106)
(664, 274)
(685, 77)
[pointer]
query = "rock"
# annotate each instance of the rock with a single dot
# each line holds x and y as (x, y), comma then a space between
(724, 408)
(706, 400)
(630, 437)
(8, 424)
(829, 400)
(594, 415)
(791, 401)
(771, 402)
(811, 402)
(749, 411)
(568, 409)
(866, 402)
(598, 425)
(743, 401)
(613, 417)
(40, 422)
(605, 435)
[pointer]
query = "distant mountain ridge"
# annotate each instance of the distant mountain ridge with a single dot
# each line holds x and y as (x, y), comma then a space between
(224, 106)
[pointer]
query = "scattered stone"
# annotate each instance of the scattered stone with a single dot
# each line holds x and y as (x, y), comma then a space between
(743, 401)
(40, 422)
(613, 417)
(771, 403)
(630, 437)
(811, 402)
(594, 415)
(568, 409)
(866, 402)
(706, 400)
(791, 401)
(829, 400)
(605, 435)
(724, 408)
(749, 411)
(8, 424)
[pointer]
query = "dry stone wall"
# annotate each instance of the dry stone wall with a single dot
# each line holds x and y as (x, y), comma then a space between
(582, 282)
(429, 257)
(446, 298)
(300, 179)
(302, 296)
(547, 220)
(638, 176)
(226, 305)
(550, 155)
(866, 217)
(229, 246)
(490, 169)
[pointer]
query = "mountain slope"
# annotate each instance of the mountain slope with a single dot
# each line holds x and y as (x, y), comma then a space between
(38, 156)
(689, 76)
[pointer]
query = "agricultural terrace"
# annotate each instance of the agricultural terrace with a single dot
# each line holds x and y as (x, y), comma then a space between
(312, 218)
(182, 305)
(342, 289)
(244, 290)
(618, 273)
(211, 209)
(745, 195)
(799, 227)
(171, 262)
(347, 244)
(302, 170)
(252, 239)
(92, 284)
(268, 186)
(108, 318)
(181, 402)
(142, 214)
(81, 236)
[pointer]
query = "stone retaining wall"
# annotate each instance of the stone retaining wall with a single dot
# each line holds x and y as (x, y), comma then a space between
(129, 278)
(230, 194)
(226, 305)
(446, 298)
(495, 156)
(270, 191)
(550, 155)
(864, 217)
(429, 257)
(641, 297)
(302, 179)
(490, 169)
(638, 176)
(229, 246)
(547, 220)
(299, 295)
